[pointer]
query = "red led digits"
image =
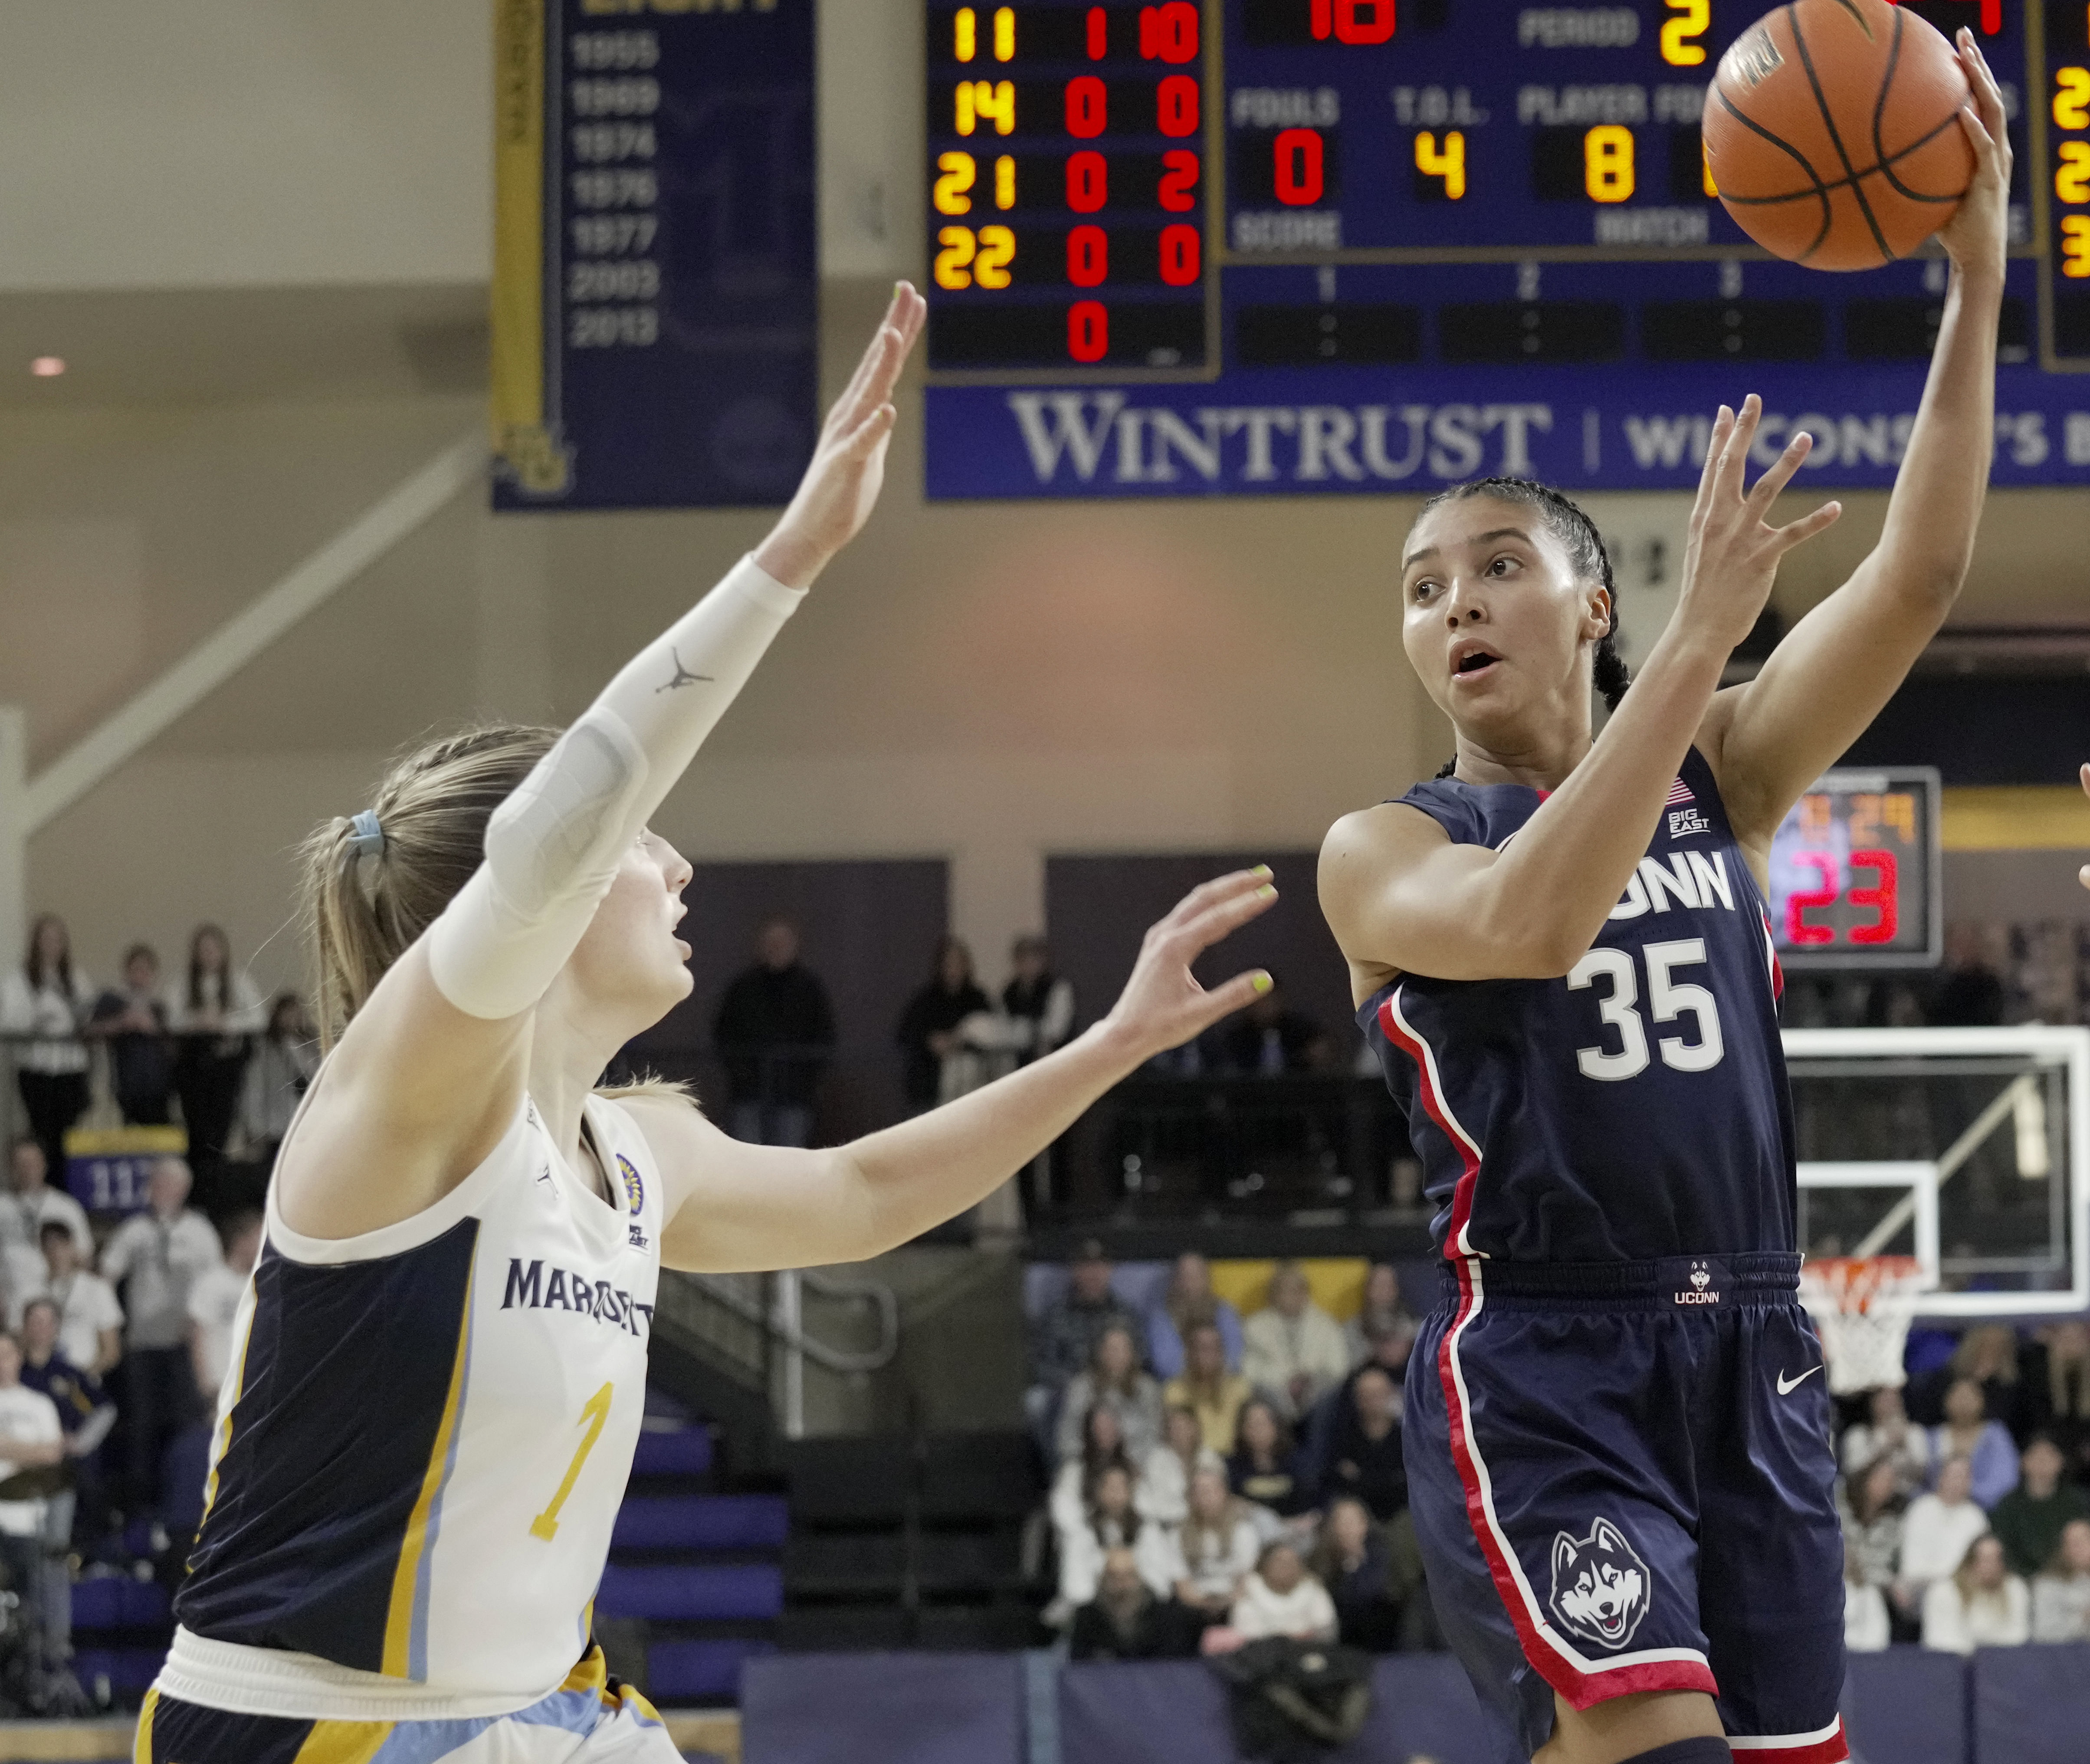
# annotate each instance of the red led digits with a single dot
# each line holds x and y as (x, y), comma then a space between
(1177, 191)
(1181, 254)
(1088, 107)
(1883, 897)
(1088, 256)
(1175, 105)
(1301, 169)
(1088, 330)
(1352, 21)
(1168, 32)
(1800, 901)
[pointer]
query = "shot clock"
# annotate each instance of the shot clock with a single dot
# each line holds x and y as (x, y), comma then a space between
(1855, 871)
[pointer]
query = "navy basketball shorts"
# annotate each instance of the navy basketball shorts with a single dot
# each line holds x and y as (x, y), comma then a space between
(1621, 1480)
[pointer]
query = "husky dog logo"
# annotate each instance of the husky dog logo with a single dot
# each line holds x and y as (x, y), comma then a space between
(1600, 1585)
(1700, 1278)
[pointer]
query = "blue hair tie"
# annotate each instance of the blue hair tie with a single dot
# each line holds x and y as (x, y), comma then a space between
(366, 838)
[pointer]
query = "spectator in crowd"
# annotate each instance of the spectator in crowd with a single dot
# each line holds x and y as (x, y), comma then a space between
(213, 1304)
(160, 1252)
(1280, 1597)
(1207, 1388)
(1113, 1379)
(1063, 1341)
(1164, 1479)
(31, 1447)
(775, 1029)
(1351, 1561)
(85, 1416)
(1936, 1532)
(2061, 1595)
(1109, 1521)
(1382, 1311)
(1887, 1433)
(1969, 993)
(1295, 1350)
(214, 1011)
(1387, 1347)
(1268, 1038)
(1870, 1505)
(1216, 1548)
(2030, 1519)
(1364, 1447)
(1125, 1621)
(1189, 1301)
(285, 1057)
(928, 1029)
(1988, 1354)
(131, 1019)
(1867, 1626)
(1261, 1469)
(50, 1000)
(2062, 1391)
(90, 1319)
(1982, 1604)
(1102, 1448)
(28, 1205)
(1036, 1001)
(1991, 1455)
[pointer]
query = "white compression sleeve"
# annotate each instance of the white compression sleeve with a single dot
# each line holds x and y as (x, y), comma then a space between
(553, 847)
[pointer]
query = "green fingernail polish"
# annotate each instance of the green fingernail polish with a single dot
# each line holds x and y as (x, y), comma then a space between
(1265, 893)
(1261, 869)
(1263, 982)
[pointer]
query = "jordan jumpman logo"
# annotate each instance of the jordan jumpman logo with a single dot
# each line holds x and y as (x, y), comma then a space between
(683, 677)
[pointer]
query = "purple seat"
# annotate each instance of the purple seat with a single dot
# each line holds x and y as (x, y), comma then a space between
(98, 1603)
(698, 1671)
(144, 1605)
(703, 1522)
(686, 1452)
(752, 1591)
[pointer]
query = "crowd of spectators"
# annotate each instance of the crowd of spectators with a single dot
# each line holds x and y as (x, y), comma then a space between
(1965, 1497)
(1220, 1479)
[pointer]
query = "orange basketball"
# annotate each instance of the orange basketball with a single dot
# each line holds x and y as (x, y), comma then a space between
(1832, 132)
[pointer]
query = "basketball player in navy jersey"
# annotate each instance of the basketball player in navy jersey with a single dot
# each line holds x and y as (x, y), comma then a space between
(1616, 1432)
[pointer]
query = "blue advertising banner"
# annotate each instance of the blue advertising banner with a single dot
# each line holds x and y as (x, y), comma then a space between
(656, 298)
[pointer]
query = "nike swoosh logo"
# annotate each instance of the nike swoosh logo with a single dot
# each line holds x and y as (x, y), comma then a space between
(1786, 1387)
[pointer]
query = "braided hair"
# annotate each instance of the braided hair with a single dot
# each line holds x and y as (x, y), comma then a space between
(1585, 546)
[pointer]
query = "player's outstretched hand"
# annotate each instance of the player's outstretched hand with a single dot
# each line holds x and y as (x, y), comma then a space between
(1732, 555)
(1978, 234)
(840, 487)
(1163, 1005)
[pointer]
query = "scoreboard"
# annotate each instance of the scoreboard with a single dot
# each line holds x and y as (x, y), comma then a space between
(1247, 246)
(1856, 869)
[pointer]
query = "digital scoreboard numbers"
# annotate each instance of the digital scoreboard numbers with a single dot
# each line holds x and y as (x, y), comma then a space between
(1856, 873)
(655, 300)
(1068, 186)
(1357, 246)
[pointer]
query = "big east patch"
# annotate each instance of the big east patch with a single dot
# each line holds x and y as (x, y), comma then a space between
(1600, 1585)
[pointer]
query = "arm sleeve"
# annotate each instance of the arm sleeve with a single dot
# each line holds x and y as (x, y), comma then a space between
(553, 847)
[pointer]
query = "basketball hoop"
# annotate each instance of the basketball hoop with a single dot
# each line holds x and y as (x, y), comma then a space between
(1862, 1306)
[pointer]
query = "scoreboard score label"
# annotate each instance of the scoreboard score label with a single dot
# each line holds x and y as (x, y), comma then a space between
(1275, 246)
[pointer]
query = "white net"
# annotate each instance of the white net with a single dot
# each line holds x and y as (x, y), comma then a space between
(1862, 1306)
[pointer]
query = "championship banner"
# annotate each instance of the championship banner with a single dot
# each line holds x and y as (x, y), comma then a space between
(656, 300)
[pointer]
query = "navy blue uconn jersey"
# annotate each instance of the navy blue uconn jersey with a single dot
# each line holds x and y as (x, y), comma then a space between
(1636, 1108)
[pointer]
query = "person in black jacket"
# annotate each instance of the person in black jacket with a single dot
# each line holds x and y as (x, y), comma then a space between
(928, 1026)
(775, 1030)
(1125, 1621)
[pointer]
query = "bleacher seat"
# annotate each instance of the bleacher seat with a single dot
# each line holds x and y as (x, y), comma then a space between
(970, 1561)
(699, 1671)
(742, 1591)
(827, 1564)
(999, 1628)
(702, 1522)
(685, 1451)
(860, 1481)
(973, 1477)
(98, 1603)
(844, 1629)
(128, 1671)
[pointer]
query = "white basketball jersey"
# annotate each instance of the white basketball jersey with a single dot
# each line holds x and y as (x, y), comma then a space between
(423, 1444)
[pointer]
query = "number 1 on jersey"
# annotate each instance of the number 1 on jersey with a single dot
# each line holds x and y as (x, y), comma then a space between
(595, 1414)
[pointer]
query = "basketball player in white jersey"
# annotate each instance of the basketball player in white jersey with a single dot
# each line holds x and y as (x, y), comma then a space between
(441, 1364)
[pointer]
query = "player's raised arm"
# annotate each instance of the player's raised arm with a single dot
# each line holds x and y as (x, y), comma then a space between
(735, 1207)
(1830, 677)
(432, 1069)
(1400, 895)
